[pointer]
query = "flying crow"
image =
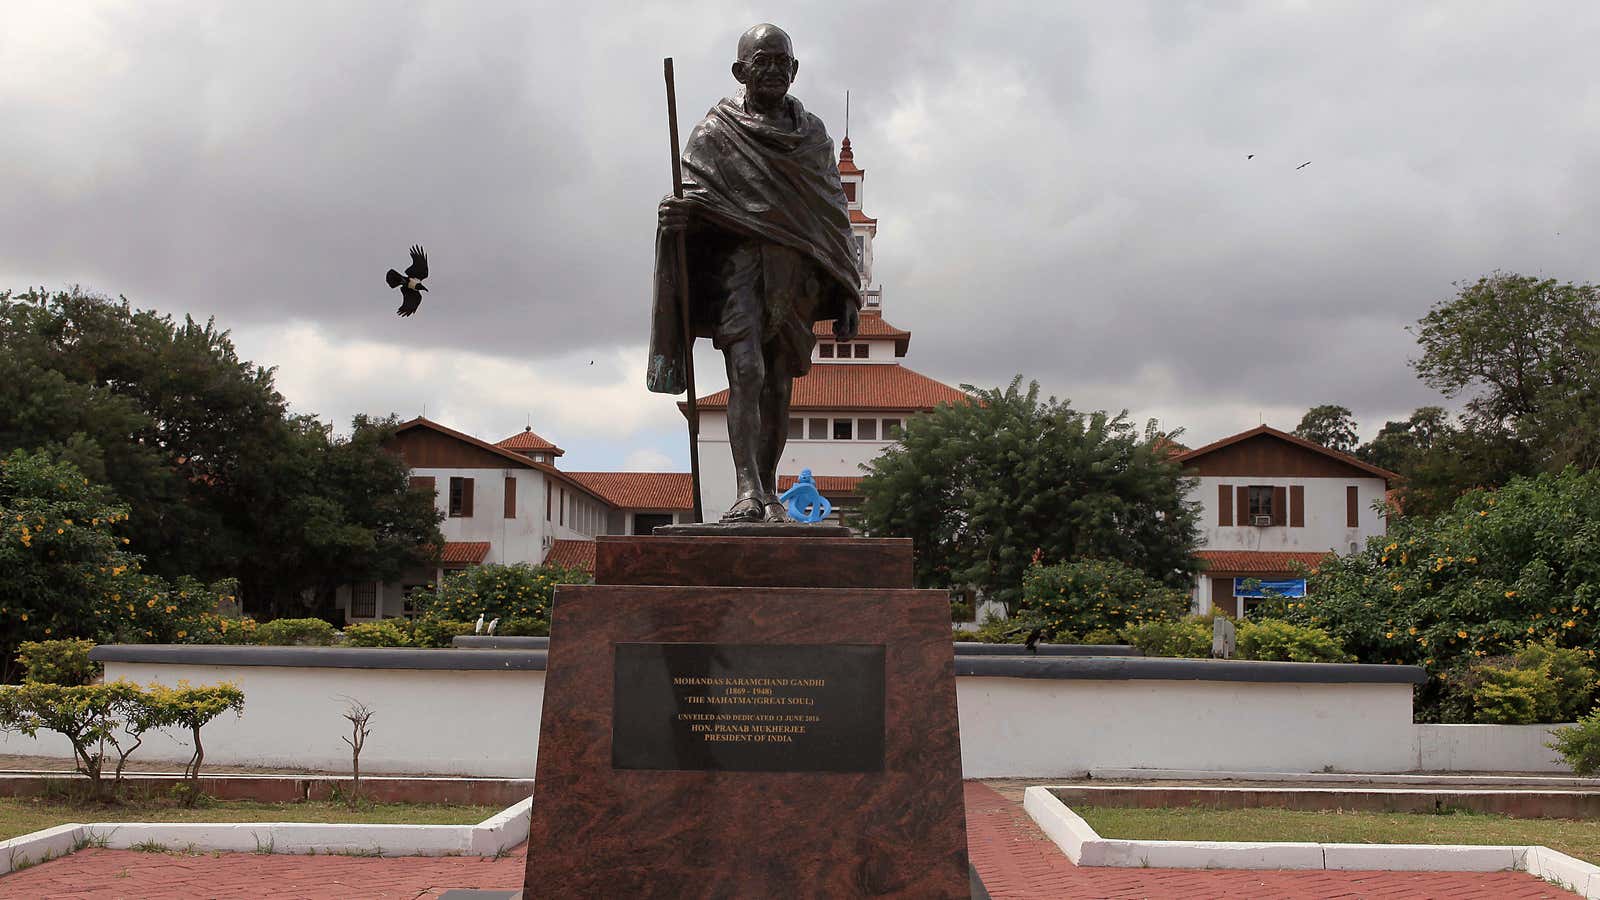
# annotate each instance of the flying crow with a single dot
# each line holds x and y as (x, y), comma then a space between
(410, 284)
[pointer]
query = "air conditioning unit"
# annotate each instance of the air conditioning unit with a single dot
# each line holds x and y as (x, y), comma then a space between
(1261, 521)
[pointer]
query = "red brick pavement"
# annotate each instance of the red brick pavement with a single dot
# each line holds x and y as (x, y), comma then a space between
(1015, 859)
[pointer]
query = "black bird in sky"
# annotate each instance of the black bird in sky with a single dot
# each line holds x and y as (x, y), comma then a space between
(410, 284)
(1302, 165)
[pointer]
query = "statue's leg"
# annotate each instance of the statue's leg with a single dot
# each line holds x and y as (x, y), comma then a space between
(746, 376)
(774, 435)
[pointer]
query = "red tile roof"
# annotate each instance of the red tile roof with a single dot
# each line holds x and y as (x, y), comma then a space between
(858, 386)
(1258, 562)
(847, 159)
(571, 555)
(857, 217)
(829, 485)
(463, 553)
(641, 490)
(872, 326)
(526, 440)
(1345, 458)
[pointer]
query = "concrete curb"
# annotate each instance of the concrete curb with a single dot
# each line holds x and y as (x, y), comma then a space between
(1570, 782)
(491, 837)
(1085, 847)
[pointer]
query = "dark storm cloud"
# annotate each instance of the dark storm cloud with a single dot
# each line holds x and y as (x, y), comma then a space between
(1063, 190)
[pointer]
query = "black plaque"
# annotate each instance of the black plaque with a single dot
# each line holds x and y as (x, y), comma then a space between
(748, 707)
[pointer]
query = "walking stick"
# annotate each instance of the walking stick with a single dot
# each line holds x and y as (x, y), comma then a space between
(683, 296)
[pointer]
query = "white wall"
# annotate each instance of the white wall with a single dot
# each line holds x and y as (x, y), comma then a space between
(1325, 527)
(1042, 728)
(822, 457)
(1487, 748)
(486, 722)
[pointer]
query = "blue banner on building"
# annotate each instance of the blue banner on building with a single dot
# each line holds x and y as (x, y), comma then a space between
(1287, 587)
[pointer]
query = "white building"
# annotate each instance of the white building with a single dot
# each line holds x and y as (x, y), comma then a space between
(1270, 501)
(849, 407)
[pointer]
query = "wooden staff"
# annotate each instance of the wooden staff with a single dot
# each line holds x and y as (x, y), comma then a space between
(683, 296)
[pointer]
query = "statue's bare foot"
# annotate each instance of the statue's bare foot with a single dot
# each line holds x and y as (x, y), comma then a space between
(776, 512)
(745, 509)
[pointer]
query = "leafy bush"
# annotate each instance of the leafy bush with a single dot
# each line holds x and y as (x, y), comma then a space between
(524, 628)
(384, 633)
(1102, 636)
(1274, 639)
(57, 662)
(190, 708)
(1500, 567)
(1512, 696)
(100, 721)
(509, 593)
(1579, 745)
(430, 632)
(1087, 595)
(1190, 637)
(1569, 671)
(291, 632)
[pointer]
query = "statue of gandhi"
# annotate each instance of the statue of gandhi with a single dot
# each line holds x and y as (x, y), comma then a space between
(769, 256)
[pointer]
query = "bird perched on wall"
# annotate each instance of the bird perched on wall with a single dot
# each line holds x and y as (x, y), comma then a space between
(478, 628)
(410, 284)
(493, 623)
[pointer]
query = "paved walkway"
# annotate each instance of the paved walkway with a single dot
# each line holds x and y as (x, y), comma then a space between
(1016, 861)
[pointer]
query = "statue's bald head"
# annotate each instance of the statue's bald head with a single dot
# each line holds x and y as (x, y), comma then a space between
(766, 65)
(764, 37)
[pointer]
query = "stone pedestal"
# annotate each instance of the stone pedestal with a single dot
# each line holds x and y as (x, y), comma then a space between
(706, 740)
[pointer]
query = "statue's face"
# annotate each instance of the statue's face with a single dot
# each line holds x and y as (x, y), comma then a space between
(766, 67)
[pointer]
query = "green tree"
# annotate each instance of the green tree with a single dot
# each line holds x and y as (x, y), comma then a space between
(1331, 426)
(984, 488)
(1525, 354)
(220, 481)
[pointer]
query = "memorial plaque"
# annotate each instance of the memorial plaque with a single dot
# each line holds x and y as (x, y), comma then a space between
(748, 707)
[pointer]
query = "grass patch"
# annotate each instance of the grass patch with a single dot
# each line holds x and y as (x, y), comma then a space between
(21, 815)
(1570, 836)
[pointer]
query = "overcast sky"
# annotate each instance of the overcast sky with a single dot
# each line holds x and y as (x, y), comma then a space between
(1063, 190)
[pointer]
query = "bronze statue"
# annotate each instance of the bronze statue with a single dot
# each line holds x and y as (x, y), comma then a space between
(769, 255)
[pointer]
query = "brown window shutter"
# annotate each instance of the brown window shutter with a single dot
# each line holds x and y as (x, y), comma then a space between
(547, 492)
(1297, 506)
(1222, 598)
(1280, 505)
(511, 498)
(1352, 507)
(1224, 504)
(1243, 506)
(466, 498)
(423, 483)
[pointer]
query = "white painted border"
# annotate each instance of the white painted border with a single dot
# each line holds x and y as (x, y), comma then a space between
(491, 837)
(1085, 847)
(1435, 778)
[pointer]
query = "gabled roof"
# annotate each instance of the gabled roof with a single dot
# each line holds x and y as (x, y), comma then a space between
(641, 490)
(1258, 562)
(872, 326)
(862, 387)
(827, 485)
(463, 553)
(507, 455)
(1268, 431)
(525, 440)
(571, 554)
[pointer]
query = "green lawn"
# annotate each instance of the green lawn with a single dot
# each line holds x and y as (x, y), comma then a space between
(21, 815)
(1573, 837)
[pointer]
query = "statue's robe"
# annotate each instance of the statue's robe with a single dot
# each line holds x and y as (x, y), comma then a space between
(753, 180)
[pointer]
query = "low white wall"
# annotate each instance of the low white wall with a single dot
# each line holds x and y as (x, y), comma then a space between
(486, 722)
(1046, 728)
(1487, 748)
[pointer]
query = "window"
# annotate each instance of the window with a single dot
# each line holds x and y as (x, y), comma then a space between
(1260, 498)
(850, 192)
(511, 498)
(364, 599)
(843, 429)
(825, 350)
(891, 429)
(1352, 506)
(538, 457)
(797, 428)
(817, 429)
(861, 351)
(563, 518)
(423, 483)
(867, 429)
(461, 498)
(408, 605)
(547, 492)
(645, 523)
